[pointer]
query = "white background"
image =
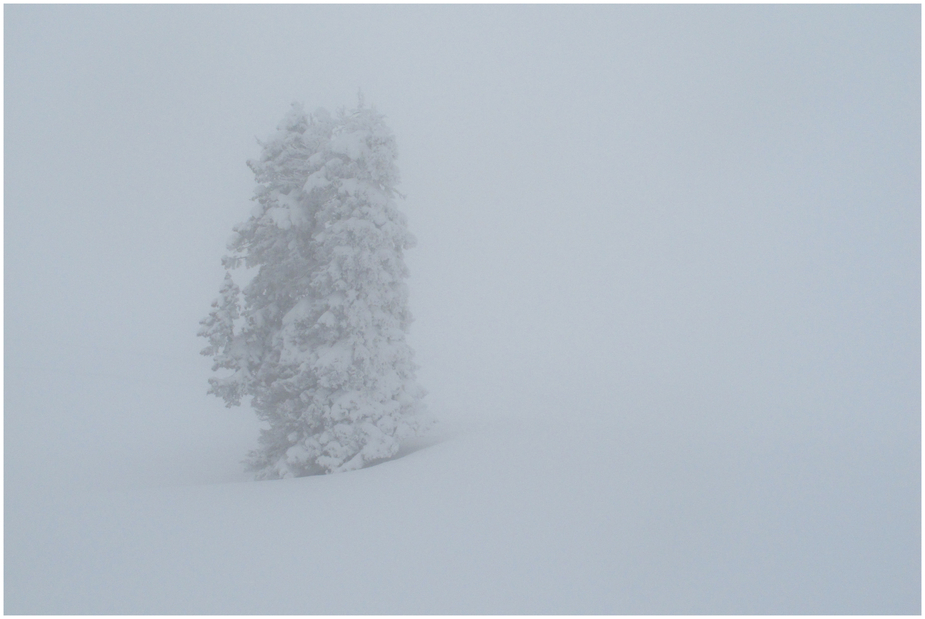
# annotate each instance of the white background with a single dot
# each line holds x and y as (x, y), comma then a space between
(667, 301)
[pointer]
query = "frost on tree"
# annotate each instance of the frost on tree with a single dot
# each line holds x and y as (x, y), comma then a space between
(318, 342)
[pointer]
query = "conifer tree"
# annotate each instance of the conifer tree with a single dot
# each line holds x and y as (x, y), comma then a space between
(218, 328)
(321, 351)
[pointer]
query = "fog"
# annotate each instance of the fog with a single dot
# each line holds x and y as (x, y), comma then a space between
(670, 251)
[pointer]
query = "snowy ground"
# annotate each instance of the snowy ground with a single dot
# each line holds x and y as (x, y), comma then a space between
(496, 514)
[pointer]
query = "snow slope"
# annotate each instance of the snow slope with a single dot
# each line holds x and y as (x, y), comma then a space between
(496, 515)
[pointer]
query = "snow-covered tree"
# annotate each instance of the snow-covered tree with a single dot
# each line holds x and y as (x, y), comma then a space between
(321, 346)
(218, 328)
